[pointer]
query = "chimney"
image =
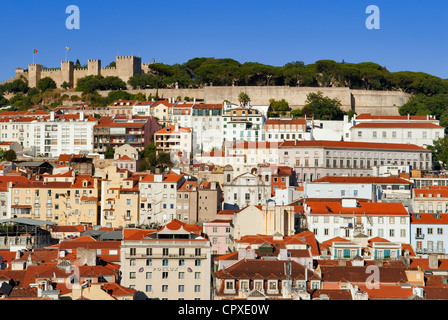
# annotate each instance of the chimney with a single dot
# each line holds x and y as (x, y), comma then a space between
(81, 116)
(433, 261)
(52, 116)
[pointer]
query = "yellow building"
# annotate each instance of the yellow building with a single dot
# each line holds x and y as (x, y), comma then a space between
(119, 198)
(65, 198)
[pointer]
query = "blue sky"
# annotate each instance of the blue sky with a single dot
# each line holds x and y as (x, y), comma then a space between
(412, 34)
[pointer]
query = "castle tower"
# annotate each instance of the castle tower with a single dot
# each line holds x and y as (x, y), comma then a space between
(94, 67)
(67, 69)
(34, 74)
(128, 66)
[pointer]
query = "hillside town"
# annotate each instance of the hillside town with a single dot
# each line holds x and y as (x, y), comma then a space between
(178, 200)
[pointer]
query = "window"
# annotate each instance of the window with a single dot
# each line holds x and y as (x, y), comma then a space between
(181, 275)
(180, 288)
(165, 262)
(132, 275)
(164, 275)
(164, 288)
(197, 262)
(132, 251)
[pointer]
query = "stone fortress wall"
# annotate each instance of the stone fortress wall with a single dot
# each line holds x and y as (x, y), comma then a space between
(362, 101)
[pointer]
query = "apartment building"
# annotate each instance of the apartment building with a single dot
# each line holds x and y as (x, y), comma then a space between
(267, 219)
(255, 277)
(279, 129)
(371, 188)
(119, 198)
(158, 197)
(256, 153)
(198, 201)
(419, 133)
(50, 135)
(177, 141)
(428, 233)
(242, 124)
(207, 126)
(219, 232)
(65, 198)
(315, 159)
(430, 199)
(348, 218)
(172, 263)
(115, 131)
(244, 190)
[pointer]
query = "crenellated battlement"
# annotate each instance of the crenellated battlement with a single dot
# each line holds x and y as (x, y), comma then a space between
(127, 57)
(126, 66)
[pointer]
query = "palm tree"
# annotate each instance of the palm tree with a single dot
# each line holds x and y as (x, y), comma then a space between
(243, 99)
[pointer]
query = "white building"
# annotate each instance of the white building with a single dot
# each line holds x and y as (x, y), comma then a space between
(177, 141)
(348, 218)
(242, 124)
(158, 197)
(419, 133)
(244, 190)
(207, 126)
(370, 188)
(171, 263)
(61, 134)
(279, 129)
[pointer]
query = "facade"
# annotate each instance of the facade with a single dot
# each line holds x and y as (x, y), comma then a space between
(375, 189)
(430, 199)
(219, 232)
(158, 197)
(349, 218)
(316, 159)
(171, 263)
(421, 133)
(244, 190)
(428, 233)
(65, 199)
(266, 220)
(287, 129)
(50, 135)
(243, 124)
(116, 131)
(175, 140)
(207, 124)
(198, 201)
(119, 198)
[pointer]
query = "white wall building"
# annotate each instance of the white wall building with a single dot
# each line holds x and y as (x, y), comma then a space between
(347, 218)
(62, 134)
(158, 197)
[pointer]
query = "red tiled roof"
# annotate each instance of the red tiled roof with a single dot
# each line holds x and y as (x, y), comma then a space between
(295, 121)
(363, 208)
(387, 292)
(429, 218)
(431, 191)
(172, 129)
(365, 179)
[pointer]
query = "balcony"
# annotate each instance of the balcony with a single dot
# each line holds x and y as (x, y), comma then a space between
(419, 236)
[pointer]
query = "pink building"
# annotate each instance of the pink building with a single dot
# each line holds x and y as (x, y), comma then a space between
(219, 232)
